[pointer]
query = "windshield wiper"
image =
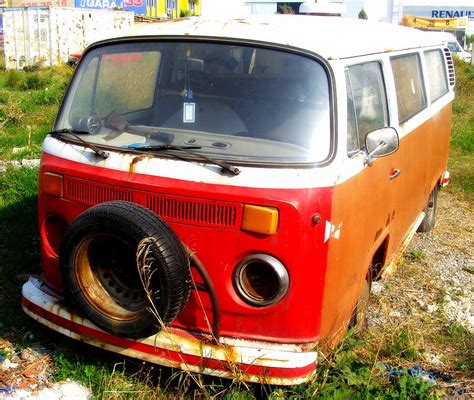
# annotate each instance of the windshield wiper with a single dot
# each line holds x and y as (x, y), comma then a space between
(188, 149)
(59, 133)
(116, 121)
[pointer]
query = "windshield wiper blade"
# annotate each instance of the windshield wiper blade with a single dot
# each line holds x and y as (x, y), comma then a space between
(160, 147)
(188, 149)
(76, 134)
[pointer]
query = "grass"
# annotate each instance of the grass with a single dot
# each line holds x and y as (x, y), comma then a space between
(461, 160)
(19, 252)
(28, 104)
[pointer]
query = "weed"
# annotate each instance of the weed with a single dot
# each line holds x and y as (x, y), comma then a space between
(347, 375)
(13, 79)
(442, 298)
(48, 96)
(469, 268)
(34, 81)
(106, 380)
(416, 255)
(11, 112)
(185, 13)
(461, 340)
(238, 395)
(457, 331)
(403, 345)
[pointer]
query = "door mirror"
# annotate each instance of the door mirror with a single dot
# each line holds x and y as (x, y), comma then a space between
(381, 143)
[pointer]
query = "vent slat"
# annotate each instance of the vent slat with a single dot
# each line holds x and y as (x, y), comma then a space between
(194, 212)
(450, 63)
(89, 193)
(171, 208)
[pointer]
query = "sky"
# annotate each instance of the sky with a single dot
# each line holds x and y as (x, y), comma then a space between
(374, 8)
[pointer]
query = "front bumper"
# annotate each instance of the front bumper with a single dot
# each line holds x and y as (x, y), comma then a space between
(253, 361)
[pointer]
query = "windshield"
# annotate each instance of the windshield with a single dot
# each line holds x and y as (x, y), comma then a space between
(236, 103)
(454, 47)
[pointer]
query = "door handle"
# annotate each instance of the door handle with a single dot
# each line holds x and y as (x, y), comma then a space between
(394, 172)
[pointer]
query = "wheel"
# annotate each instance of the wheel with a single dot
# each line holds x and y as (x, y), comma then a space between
(428, 222)
(359, 314)
(98, 260)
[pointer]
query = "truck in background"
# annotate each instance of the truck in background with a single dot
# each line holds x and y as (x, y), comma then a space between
(46, 36)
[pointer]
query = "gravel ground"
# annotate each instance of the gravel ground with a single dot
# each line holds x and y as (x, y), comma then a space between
(432, 290)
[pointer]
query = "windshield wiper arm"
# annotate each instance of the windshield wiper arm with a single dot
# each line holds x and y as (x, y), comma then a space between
(188, 149)
(75, 134)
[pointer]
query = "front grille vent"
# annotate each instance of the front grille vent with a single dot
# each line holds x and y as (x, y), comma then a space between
(450, 63)
(91, 193)
(177, 209)
(194, 212)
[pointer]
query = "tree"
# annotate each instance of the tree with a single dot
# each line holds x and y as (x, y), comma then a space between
(362, 14)
(286, 9)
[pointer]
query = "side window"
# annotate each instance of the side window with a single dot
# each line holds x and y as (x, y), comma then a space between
(411, 97)
(437, 74)
(366, 103)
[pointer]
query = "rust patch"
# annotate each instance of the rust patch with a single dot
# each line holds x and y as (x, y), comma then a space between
(131, 167)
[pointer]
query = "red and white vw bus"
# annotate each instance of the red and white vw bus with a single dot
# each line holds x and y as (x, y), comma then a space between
(218, 195)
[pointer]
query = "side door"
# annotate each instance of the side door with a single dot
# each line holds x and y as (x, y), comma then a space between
(363, 201)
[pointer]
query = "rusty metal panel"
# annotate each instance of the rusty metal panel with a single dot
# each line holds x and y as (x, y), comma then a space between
(47, 36)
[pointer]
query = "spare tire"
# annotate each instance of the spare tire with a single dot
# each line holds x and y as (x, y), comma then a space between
(98, 260)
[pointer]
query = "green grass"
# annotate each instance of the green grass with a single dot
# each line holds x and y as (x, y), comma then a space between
(19, 252)
(461, 160)
(28, 105)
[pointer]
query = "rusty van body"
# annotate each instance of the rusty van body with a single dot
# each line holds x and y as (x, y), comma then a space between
(218, 195)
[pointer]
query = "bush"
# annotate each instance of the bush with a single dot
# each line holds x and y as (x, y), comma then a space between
(34, 82)
(11, 113)
(185, 13)
(13, 79)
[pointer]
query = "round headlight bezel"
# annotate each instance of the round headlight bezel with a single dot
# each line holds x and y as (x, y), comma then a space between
(246, 272)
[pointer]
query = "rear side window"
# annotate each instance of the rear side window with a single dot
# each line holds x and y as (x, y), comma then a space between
(437, 74)
(366, 103)
(411, 97)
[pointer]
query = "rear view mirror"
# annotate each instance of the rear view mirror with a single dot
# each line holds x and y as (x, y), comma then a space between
(381, 143)
(195, 64)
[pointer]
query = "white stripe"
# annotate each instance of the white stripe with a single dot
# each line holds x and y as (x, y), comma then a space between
(231, 350)
(264, 177)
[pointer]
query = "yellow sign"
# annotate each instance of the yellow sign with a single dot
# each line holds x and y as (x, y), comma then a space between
(434, 23)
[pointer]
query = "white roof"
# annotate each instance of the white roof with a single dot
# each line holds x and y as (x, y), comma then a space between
(331, 37)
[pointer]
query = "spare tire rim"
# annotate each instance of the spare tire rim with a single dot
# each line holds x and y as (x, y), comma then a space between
(107, 274)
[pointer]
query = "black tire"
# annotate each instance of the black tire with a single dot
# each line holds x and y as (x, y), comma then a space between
(428, 222)
(98, 261)
(358, 319)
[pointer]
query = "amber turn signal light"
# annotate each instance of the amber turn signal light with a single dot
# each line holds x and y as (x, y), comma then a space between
(260, 219)
(52, 184)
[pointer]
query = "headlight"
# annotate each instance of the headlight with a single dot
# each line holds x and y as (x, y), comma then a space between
(261, 280)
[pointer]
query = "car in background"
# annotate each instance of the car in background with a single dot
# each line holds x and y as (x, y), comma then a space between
(453, 45)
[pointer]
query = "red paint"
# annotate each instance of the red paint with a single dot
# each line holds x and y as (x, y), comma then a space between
(298, 244)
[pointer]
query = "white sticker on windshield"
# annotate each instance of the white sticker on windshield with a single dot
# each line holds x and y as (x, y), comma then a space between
(189, 112)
